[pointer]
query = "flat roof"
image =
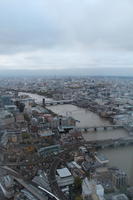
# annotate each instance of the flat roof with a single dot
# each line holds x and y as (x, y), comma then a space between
(46, 134)
(120, 197)
(101, 157)
(64, 172)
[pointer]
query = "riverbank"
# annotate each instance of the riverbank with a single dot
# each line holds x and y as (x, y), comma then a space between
(44, 94)
(89, 107)
(94, 110)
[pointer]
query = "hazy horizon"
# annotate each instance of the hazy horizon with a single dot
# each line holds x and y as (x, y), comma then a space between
(65, 72)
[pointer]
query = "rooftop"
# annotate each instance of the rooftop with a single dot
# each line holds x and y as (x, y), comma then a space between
(64, 172)
(120, 197)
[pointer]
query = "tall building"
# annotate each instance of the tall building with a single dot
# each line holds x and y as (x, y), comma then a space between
(5, 100)
(92, 191)
(119, 178)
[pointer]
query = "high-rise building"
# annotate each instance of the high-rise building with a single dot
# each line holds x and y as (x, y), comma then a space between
(119, 178)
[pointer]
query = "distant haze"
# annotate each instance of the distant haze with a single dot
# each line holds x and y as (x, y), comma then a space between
(67, 36)
(125, 72)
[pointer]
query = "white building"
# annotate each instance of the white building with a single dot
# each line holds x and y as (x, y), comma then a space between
(101, 158)
(90, 189)
(64, 177)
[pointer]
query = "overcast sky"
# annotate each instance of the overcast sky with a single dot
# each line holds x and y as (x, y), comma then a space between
(65, 34)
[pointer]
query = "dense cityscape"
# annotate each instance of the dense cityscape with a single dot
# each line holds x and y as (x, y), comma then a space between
(66, 138)
(66, 99)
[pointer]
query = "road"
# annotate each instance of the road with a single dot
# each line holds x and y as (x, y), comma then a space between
(52, 180)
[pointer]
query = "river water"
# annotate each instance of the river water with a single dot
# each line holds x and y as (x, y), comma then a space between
(121, 157)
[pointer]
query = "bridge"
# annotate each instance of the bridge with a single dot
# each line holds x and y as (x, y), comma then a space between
(99, 128)
(53, 102)
(111, 143)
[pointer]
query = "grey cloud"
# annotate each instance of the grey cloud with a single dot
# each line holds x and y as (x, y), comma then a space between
(91, 26)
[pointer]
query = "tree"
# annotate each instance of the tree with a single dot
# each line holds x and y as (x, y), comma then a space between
(26, 117)
(21, 107)
(25, 136)
(78, 198)
(77, 183)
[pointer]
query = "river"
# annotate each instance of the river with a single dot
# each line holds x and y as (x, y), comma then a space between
(121, 157)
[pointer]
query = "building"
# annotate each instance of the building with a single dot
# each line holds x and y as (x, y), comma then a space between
(65, 129)
(91, 190)
(64, 177)
(27, 101)
(11, 108)
(13, 138)
(119, 178)
(130, 192)
(83, 149)
(24, 194)
(42, 180)
(46, 133)
(19, 118)
(6, 185)
(120, 197)
(53, 149)
(6, 118)
(5, 100)
(101, 158)
(63, 122)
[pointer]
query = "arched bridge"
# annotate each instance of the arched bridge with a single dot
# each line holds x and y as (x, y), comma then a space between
(112, 143)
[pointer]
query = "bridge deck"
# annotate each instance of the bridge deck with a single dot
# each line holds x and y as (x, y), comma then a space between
(104, 126)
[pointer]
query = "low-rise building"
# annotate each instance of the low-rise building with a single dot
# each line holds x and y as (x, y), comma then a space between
(64, 177)
(120, 197)
(44, 151)
(101, 158)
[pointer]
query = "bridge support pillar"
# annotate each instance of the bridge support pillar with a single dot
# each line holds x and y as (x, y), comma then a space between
(43, 102)
(95, 129)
